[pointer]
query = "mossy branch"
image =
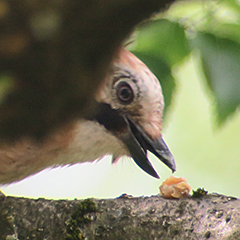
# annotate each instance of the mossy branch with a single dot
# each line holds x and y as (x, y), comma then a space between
(207, 217)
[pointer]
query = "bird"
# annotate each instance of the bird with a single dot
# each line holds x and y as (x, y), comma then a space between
(127, 121)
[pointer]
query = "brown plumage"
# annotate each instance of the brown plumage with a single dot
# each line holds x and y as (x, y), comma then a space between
(128, 122)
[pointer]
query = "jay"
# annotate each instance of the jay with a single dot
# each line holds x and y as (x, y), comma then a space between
(127, 121)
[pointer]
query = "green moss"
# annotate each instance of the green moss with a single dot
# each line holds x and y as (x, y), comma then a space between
(79, 218)
(6, 222)
(199, 193)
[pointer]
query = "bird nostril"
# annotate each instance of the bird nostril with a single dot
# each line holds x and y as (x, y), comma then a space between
(125, 93)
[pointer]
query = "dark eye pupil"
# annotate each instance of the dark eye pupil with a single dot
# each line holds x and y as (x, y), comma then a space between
(125, 93)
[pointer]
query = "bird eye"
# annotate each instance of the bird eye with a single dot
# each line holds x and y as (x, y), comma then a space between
(125, 93)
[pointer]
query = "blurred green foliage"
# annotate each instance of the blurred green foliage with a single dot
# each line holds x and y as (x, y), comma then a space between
(208, 29)
(153, 43)
(220, 62)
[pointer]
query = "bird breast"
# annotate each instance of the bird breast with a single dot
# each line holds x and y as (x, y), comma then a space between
(84, 141)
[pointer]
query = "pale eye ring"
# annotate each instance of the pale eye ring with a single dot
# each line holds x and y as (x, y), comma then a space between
(124, 93)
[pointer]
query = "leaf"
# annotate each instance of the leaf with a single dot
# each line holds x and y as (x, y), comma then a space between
(162, 71)
(234, 4)
(160, 44)
(227, 30)
(163, 38)
(221, 65)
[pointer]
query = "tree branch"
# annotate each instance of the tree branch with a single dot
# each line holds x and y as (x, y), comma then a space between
(208, 217)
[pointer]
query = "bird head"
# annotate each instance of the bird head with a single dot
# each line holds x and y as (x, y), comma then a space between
(131, 107)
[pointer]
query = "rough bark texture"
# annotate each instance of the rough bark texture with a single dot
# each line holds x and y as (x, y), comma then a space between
(53, 55)
(145, 218)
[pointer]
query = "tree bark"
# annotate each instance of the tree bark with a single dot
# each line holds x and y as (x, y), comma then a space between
(209, 217)
(54, 54)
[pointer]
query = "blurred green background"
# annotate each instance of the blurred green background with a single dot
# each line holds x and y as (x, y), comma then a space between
(194, 50)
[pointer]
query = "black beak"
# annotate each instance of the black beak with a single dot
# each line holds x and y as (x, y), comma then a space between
(138, 143)
(134, 137)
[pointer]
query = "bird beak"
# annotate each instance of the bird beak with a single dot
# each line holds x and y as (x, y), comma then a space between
(138, 142)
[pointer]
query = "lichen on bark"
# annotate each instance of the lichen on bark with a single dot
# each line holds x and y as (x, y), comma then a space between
(208, 217)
